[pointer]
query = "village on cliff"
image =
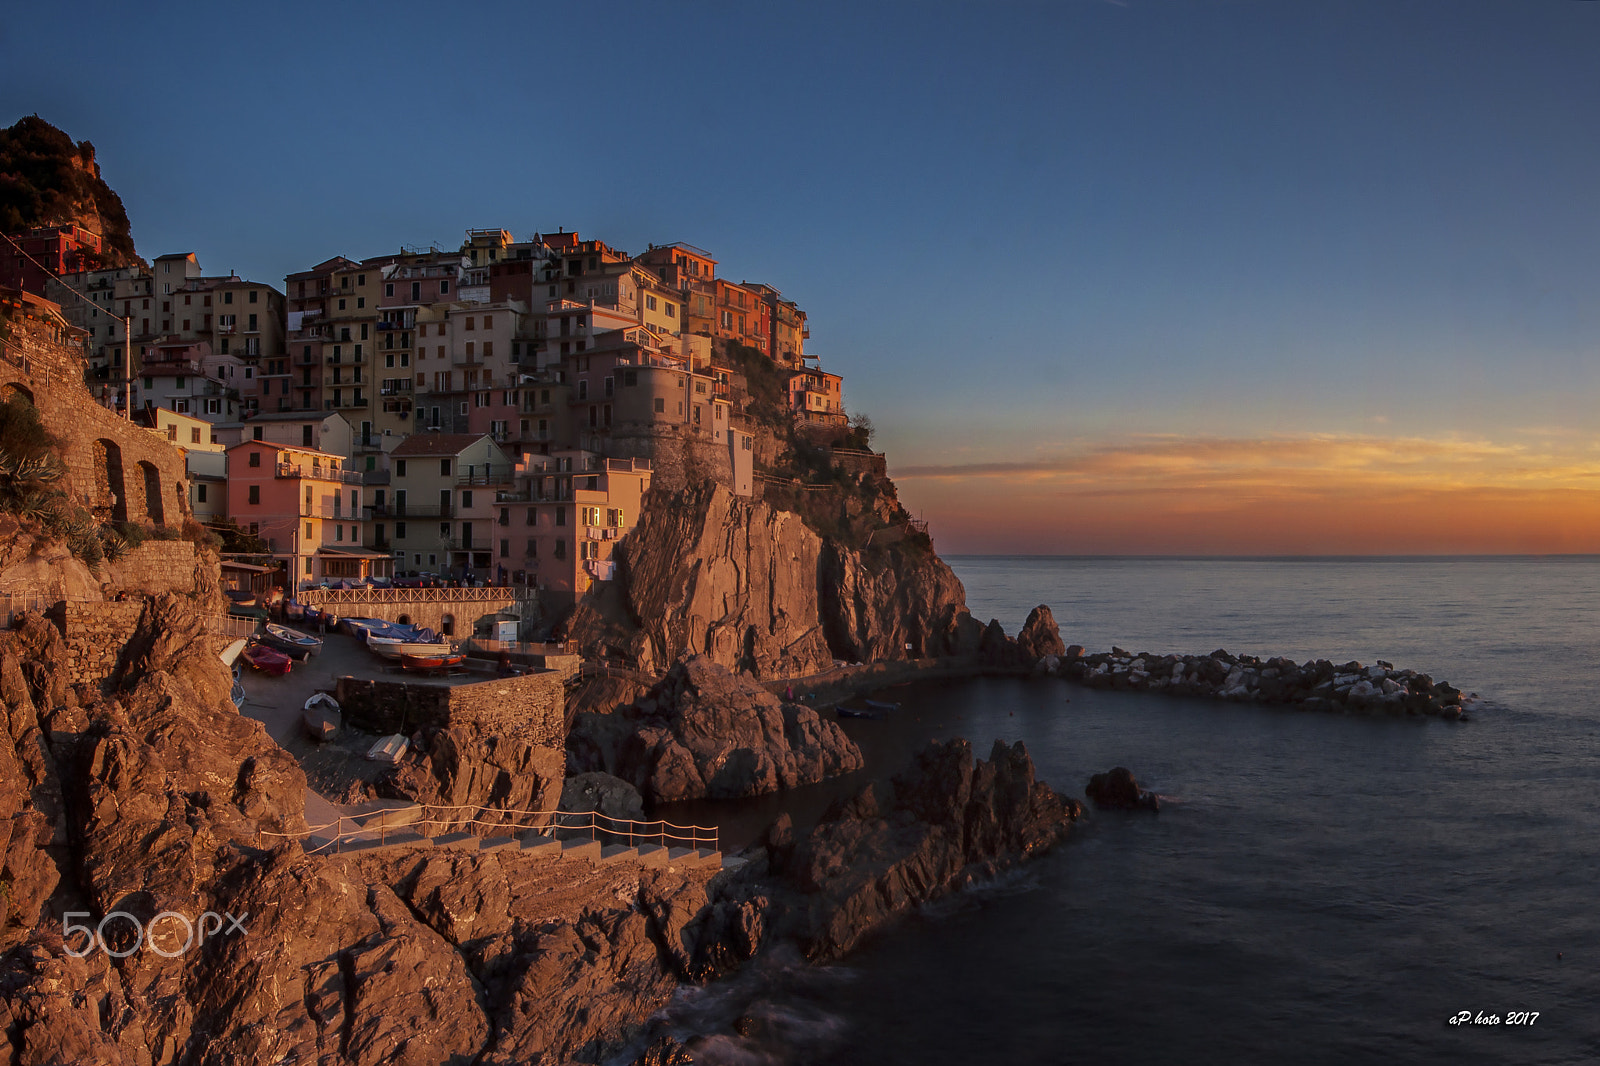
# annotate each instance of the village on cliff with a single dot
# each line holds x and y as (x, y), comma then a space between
(492, 413)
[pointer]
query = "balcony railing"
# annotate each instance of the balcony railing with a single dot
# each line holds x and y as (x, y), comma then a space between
(344, 360)
(493, 477)
(395, 390)
(474, 544)
(323, 473)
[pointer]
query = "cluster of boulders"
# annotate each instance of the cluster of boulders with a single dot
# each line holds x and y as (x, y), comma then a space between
(705, 732)
(1317, 685)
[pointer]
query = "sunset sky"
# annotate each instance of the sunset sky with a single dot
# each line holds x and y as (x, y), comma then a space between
(1220, 277)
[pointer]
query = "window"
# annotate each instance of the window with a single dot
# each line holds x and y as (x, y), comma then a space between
(488, 349)
(361, 279)
(255, 490)
(341, 305)
(388, 289)
(186, 325)
(561, 548)
(533, 516)
(650, 303)
(338, 532)
(194, 435)
(488, 321)
(252, 326)
(533, 548)
(466, 498)
(257, 436)
(400, 468)
(444, 287)
(253, 295)
(361, 301)
(172, 431)
(400, 529)
(308, 529)
(200, 493)
(444, 467)
(255, 457)
(227, 297)
(661, 406)
(672, 309)
(505, 548)
(561, 516)
(470, 320)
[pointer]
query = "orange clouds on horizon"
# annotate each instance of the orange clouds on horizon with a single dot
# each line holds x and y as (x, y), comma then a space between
(1316, 494)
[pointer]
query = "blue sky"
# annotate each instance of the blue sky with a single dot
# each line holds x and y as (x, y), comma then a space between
(1026, 233)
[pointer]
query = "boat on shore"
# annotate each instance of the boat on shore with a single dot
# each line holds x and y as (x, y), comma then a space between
(230, 654)
(389, 749)
(422, 663)
(874, 713)
(291, 641)
(268, 660)
(396, 647)
(321, 716)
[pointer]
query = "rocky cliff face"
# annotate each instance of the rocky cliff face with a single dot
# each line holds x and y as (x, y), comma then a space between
(754, 588)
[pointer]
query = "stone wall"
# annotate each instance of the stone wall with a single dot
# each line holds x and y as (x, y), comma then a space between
(157, 566)
(679, 455)
(116, 469)
(854, 461)
(95, 634)
(530, 708)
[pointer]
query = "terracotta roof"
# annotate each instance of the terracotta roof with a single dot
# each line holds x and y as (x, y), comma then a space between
(436, 443)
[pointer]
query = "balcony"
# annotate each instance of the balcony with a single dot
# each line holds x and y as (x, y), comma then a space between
(341, 360)
(339, 405)
(474, 544)
(492, 477)
(396, 389)
(318, 473)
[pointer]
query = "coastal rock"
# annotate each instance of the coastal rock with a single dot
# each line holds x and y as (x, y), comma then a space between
(1117, 790)
(466, 768)
(1040, 637)
(754, 588)
(945, 821)
(705, 732)
(608, 795)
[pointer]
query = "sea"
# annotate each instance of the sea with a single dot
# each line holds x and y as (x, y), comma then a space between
(1317, 888)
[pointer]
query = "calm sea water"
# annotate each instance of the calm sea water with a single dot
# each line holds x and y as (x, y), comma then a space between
(1319, 888)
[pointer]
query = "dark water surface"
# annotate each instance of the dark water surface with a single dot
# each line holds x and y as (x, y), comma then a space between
(1319, 888)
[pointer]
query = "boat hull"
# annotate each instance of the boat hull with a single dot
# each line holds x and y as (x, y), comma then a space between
(291, 641)
(268, 660)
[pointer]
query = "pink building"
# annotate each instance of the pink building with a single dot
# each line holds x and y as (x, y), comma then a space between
(306, 506)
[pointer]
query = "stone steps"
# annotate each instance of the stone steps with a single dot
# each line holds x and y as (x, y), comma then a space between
(530, 843)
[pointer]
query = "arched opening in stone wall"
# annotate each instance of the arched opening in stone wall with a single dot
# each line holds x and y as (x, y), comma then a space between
(12, 391)
(404, 619)
(447, 625)
(110, 492)
(152, 493)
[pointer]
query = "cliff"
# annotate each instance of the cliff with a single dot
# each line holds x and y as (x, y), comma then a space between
(755, 588)
(47, 180)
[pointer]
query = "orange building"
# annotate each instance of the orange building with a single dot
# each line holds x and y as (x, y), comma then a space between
(306, 506)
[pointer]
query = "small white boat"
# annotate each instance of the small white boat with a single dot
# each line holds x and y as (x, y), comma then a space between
(291, 641)
(321, 716)
(394, 647)
(389, 749)
(230, 654)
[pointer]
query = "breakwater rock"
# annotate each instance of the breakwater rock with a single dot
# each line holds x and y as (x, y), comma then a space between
(1314, 685)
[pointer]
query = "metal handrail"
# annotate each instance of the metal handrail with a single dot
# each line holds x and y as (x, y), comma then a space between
(633, 830)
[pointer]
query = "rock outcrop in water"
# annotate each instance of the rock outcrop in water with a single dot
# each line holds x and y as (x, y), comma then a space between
(1317, 685)
(946, 821)
(754, 588)
(704, 732)
(1117, 790)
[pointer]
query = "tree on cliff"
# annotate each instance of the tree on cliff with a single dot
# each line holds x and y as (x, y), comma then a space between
(47, 180)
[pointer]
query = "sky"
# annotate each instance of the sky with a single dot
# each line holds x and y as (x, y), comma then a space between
(1220, 277)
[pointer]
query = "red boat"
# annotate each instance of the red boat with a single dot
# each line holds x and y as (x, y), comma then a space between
(431, 662)
(266, 660)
